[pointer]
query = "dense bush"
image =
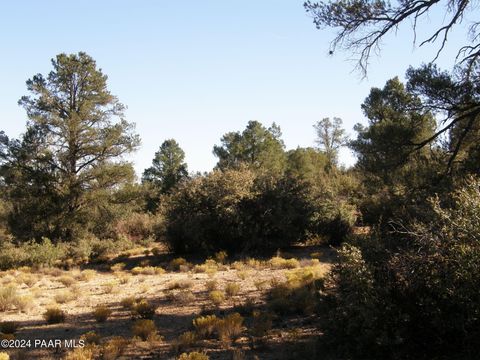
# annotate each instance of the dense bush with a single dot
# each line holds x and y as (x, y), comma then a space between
(419, 295)
(31, 254)
(335, 219)
(236, 210)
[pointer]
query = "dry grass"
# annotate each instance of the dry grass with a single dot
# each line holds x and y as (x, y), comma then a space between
(217, 297)
(84, 353)
(230, 327)
(54, 315)
(144, 329)
(102, 313)
(205, 325)
(64, 297)
(144, 309)
(111, 287)
(8, 297)
(147, 270)
(91, 337)
(66, 280)
(86, 275)
(192, 293)
(211, 285)
(180, 284)
(232, 289)
(114, 348)
(193, 356)
(185, 341)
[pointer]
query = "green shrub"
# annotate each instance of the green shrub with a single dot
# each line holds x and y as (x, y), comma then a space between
(414, 293)
(336, 220)
(44, 253)
(136, 226)
(234, 210)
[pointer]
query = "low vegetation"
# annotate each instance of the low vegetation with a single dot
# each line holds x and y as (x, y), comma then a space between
(274, 253)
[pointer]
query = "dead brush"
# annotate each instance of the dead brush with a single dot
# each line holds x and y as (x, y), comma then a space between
(281, 263)
(128, 303)
(123, 278)
(111, 287)
(86, 275)
(147, 270)
(28, 279)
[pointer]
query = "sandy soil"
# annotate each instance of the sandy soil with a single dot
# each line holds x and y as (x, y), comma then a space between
(175, 308)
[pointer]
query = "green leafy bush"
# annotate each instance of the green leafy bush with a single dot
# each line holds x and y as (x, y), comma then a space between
(414, 293)
(235, 210)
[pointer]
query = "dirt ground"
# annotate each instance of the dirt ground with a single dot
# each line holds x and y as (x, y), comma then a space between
(179, 296)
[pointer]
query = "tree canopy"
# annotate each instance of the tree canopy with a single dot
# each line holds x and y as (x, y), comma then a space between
(363, 24)
(168, 166)
(257, 146)
(72, 149)
(396, 125)
(330, 137)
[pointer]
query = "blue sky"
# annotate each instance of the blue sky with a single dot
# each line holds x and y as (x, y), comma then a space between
(194, 70)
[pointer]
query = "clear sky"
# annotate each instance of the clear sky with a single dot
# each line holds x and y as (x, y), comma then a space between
(194, 70)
